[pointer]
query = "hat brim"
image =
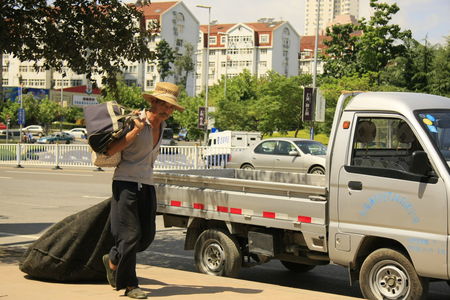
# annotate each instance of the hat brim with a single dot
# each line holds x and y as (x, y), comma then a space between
(164, 98)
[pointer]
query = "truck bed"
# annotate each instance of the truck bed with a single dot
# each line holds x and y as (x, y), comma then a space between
(291, 201)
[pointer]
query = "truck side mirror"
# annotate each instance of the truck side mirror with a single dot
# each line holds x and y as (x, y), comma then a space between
(420, 163)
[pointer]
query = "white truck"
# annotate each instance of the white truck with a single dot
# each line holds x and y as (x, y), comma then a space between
(222, 143)
(381, 210)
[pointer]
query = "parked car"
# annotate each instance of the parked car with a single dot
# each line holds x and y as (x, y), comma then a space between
(182, 135)
(58, 137)
(78, 133)
(282, 154)
(2, 126)
(34, 130)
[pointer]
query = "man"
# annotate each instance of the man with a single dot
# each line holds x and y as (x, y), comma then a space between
(133, 207)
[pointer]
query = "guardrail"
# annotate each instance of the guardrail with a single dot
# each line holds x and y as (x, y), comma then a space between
(79, 155)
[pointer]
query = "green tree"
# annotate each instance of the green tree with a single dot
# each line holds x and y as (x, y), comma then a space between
(128, 96)
(369, 52)
(48, 111)
(165, 57)
(189, 118)
(380, 41)
(184, 64)
(88, 36)
(238, 111)
(279, 105)
(340, 54)
(440, 74)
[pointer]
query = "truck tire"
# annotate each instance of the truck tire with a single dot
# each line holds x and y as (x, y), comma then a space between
(296, 267)
(389, 274)
(247, 167)
(217, 253)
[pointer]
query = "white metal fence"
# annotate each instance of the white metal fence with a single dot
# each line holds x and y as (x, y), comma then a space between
(79, 155)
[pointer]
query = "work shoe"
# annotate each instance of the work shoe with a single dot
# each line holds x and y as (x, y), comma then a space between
(135, 293)
(110, 273)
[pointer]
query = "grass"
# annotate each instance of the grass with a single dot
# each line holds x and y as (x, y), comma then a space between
(303, 134)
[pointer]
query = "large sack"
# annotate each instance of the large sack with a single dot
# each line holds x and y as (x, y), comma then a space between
(106, 123)
(72, 249)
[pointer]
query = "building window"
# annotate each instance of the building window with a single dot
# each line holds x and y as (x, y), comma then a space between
(223, 39)
(5, 69)
(212, 40)
(76, 82)
(212, 52)
(263, 51)
(5, 81)
(210, 76)
(23, 69)
(179, 42)
(264, 38)
(150, 68)
(130, 82)
(212, 64)
(263, 63)
(150, 83)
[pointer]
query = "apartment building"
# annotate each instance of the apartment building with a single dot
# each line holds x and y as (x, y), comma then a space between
(306, 58)
(178, 26)
(329, 11)
(258, 47)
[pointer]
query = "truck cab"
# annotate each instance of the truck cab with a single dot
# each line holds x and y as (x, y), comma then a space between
(388, 184)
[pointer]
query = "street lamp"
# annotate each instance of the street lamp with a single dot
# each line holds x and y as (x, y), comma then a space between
(207, 69)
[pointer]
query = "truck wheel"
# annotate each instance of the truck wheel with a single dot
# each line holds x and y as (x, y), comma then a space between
(218, 254)
(297, 268)
(388, 274)
(247, 167)
(317, 170)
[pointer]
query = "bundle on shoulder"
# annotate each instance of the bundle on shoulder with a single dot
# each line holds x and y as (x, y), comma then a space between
(105, 123)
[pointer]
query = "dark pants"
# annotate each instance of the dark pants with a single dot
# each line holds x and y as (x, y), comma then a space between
(133, 212)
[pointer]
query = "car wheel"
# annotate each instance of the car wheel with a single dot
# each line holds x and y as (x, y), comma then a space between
(67, 142)
(296, 267)
(247, 167)
(317, 170)
(389, 274)
(217, 253)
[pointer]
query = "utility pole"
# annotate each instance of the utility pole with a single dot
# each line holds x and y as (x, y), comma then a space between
(206, 76)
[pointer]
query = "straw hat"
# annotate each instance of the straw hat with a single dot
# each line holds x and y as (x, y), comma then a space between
(167, 92)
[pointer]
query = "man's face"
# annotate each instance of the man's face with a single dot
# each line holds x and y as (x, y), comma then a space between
(162, 109)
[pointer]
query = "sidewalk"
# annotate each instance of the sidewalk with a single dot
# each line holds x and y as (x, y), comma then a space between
(157, 282)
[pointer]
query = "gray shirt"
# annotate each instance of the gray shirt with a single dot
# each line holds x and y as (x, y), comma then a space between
(139, 157)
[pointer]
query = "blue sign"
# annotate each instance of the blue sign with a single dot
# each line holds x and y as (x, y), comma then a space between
(21, 116)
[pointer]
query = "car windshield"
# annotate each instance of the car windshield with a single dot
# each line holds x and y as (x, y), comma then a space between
(437, 124)
(311, 147)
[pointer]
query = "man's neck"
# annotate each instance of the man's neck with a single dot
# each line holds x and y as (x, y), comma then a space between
(155, 121)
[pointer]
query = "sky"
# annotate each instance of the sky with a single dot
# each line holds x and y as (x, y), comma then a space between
(425, 18)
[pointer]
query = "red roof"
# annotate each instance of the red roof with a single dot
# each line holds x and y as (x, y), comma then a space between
(81, 89)
(308, 42)
(255, 26)
(156, 9)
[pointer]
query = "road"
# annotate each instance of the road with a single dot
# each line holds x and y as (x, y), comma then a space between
(32, 199)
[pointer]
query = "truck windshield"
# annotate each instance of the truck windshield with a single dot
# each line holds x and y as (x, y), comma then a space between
(437, 124)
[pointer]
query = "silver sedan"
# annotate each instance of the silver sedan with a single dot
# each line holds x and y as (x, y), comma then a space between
(282, 154)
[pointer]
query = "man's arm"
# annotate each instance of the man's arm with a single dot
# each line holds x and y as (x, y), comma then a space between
(124, 142)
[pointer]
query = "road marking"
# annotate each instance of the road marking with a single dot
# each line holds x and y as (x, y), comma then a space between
(5, 177)
(49, 173)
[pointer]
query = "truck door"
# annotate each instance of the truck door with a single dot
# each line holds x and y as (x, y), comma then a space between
(379, 196)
